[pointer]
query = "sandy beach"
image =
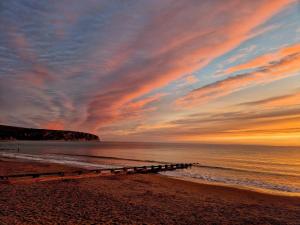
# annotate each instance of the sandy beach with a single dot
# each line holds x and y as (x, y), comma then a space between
(134, 199)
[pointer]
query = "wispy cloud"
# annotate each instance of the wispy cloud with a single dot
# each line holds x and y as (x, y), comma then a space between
(229, 126)
(278, 101)
(266, 59)
(179, 50)
(89, 65)
(268, 70)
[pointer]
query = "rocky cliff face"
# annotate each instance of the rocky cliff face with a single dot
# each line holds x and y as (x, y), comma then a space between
(20, 133)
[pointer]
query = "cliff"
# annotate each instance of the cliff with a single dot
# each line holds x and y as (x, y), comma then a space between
(20, 133)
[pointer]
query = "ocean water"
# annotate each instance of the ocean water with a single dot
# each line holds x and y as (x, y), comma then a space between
(261, 168)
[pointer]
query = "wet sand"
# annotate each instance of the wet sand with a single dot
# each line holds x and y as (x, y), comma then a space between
(9, 166)
(135, 199)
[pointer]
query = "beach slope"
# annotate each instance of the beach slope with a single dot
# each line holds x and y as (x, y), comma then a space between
(136, 199)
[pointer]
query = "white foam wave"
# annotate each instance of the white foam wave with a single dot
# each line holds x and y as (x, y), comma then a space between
(65, 160)
(232, 181)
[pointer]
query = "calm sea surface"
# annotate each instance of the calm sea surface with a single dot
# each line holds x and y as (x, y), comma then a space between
(270, 169)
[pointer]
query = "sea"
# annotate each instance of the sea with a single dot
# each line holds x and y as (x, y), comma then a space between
(270, 169)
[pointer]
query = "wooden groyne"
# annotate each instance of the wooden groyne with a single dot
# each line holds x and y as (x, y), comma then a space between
(103, 171)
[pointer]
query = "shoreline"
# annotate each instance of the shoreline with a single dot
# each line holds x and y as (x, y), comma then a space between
(238, 187)
(57, 167)
(135, 199)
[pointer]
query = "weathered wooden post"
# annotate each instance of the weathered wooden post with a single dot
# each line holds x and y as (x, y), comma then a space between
(160, 168)
(153, 169)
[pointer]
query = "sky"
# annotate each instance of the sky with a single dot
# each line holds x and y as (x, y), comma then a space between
(209, 71)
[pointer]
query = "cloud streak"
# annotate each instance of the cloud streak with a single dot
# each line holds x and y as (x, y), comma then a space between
(279, 101)
(178, 50)
(229, 126)
(268, 71)
(266, 59)
(97, 65)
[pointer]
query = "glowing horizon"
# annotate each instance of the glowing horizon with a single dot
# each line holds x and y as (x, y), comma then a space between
(191, 71)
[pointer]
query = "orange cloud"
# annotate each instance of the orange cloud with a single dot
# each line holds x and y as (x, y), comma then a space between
(137, 109)
(54, 125)
(283, 131)
(188, 80)
(185, 44)
(144, 102)
(282, 68)
(266, 59)
(106, 56)
(38, 76)
(271, 127)
(284, 100)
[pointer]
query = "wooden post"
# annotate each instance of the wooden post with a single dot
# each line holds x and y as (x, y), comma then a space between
(159, 168)
(152, 169)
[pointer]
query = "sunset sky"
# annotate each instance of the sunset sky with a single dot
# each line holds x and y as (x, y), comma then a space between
(160, 70)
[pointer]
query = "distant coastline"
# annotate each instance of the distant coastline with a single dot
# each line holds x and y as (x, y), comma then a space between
(33, 134)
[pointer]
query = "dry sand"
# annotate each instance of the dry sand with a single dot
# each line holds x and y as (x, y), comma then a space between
(135, 199)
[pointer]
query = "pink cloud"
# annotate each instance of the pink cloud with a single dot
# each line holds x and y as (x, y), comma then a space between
(286, 65)
(54, 125)
(91, 65)
(145, 101)
(266, 59)
(21, 44)
(177, 42)
(38, 76)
